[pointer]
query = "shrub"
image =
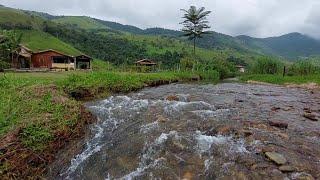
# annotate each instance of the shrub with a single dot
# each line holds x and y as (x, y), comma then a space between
(267, 65)
(303, 68)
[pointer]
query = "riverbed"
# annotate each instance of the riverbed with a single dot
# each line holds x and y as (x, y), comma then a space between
(194, 131)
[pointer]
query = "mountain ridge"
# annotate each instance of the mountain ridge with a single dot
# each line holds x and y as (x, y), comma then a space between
(291, 46)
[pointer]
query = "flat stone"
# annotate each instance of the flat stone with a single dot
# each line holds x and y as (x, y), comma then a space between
(172, 98)
(275, 109)
(277, 158)
(302, 176)
(287, 168)
(278, 124)
(311, 116)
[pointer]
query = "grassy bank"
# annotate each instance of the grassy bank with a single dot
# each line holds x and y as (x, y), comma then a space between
(279, 79)
(41, 112)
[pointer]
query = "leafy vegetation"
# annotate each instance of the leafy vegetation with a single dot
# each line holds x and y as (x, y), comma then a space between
(195, 22)
(38, 41)
(279, 79)
(82, 22)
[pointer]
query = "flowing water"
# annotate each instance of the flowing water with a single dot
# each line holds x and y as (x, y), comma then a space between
(191, 131)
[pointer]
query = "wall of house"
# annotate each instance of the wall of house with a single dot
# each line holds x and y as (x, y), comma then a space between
(43, 60)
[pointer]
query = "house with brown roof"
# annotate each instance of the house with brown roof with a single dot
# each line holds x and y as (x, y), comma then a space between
(145, 62)
(49, 59)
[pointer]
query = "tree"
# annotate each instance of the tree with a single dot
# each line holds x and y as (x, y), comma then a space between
(9, 45)
(195, 23)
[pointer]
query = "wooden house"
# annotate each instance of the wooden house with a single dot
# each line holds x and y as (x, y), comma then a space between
(145, 65)
(49, 59)
(241, 68)
(145, 62)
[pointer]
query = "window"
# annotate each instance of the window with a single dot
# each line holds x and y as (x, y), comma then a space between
(60, 59)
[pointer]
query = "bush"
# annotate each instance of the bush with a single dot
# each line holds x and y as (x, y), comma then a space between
(211, 75)
(303, 68)
(267, 65)
(223, 67)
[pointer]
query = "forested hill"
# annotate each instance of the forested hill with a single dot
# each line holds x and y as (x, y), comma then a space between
(97, 37)
(290, 46)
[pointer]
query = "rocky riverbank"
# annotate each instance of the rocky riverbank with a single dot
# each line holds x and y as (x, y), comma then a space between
(190, 131)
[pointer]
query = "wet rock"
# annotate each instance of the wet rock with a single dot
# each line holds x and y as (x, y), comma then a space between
(311, 116)
(278, 124)
(277, 158)
(302, 176)
(287, 108)
(247, 133)
(283, 135)
(226, 130)
(161, 119)
(307, 110)
(259, 166)
(172, 98)
(276, 174)
(275, 109)
(287, 168)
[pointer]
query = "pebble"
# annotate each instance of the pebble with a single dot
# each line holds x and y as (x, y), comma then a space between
(281, 125)
(310, 116)
(287, 169)
(279, 159)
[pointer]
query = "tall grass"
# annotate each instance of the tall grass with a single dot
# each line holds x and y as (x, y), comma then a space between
(266, 65)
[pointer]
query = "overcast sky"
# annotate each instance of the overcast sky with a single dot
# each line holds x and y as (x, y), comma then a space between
(259, 18)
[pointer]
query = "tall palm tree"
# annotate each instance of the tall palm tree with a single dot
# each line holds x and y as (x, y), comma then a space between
(195, 22)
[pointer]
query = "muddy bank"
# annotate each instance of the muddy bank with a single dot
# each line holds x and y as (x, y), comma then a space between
(21, 162)
(190, 131)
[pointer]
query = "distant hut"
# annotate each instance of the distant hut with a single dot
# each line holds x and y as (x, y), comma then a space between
(146, 65)
(241, 68)
(145, 62)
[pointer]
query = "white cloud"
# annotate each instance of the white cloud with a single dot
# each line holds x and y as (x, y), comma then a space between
(260, 18)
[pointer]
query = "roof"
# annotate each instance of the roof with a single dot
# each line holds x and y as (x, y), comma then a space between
(26, 52)
(52, 50)
(85, 56)
(146, 62)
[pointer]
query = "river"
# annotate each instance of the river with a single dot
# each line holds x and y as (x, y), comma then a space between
(194, 131)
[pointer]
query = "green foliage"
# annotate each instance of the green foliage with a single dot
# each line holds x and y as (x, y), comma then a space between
(303, 68)
(9, 43)
(38, 41)
(187, 64)
(115, 49)
(100, 65)
(279, 79)
(223, 67)
(195, 23)
(267, 65)
(82, 22)
(209, 75)
(36, 137)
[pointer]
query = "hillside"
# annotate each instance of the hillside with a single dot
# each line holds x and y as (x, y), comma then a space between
(38, 41)
(10, 18)
(290, 46)
(82, 22)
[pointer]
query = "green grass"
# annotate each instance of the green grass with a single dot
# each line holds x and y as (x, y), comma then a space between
(39, 104)
(82, 22)
(279, 79)
(38, 41)
(9, 16)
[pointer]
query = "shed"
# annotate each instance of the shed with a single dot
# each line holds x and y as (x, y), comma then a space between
(241, 68)
(83, 62)
(145, 62)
